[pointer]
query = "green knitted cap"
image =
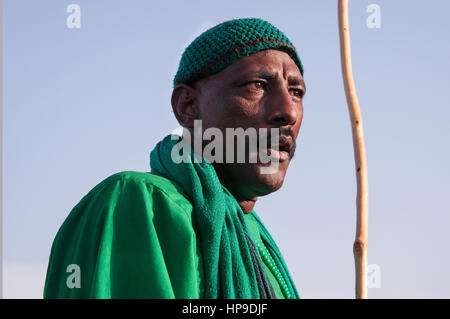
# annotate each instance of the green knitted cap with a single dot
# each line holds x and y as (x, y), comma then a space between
(218, 47)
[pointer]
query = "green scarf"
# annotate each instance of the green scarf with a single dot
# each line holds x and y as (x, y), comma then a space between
(231, 265)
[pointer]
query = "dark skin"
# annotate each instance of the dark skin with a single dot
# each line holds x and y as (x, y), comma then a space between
(263, 90)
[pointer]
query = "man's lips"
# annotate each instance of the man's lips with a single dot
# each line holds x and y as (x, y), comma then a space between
(283, 150)
(280, 155)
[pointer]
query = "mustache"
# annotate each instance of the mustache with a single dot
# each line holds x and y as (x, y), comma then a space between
(286, 141)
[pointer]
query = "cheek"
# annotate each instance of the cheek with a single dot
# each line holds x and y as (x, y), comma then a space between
(241, 112)
(211, 110)
(224, 111)
(299, 123)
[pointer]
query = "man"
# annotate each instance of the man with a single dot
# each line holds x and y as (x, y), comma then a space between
(188, 229)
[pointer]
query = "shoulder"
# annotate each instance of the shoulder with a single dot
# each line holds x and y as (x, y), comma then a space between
(147, 178)
(130, 199)
(131, 186)
(132, 223)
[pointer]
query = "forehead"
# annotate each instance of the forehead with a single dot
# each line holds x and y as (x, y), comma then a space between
(272, 61)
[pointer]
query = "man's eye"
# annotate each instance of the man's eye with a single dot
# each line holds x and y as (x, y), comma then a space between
(298, 92)
(258, 85)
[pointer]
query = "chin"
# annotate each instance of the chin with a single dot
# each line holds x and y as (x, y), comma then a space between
(266, 183)
(249, 181)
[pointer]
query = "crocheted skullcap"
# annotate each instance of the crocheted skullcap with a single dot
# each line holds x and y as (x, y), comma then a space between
(218, 47)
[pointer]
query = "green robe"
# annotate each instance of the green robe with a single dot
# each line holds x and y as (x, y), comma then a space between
(132, 236)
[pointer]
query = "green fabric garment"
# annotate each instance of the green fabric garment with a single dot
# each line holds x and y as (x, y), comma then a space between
(142, 235)
(133, 236)
(228, 266)
(254, 231)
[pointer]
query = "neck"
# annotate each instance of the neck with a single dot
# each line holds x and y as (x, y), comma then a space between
(247, 203)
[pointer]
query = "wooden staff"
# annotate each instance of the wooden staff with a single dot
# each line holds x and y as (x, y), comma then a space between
(360, 244)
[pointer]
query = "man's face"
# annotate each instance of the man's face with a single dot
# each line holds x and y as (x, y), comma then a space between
(263, 90)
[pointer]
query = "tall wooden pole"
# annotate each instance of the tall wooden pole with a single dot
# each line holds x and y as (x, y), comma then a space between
(362, 196)
(1, 149)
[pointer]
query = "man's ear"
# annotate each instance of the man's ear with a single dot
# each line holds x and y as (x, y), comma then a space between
(185, 104)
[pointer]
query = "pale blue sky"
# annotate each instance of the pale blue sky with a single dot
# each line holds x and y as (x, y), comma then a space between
(80, 105)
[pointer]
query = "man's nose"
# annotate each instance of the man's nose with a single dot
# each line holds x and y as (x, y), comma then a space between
(284, 110)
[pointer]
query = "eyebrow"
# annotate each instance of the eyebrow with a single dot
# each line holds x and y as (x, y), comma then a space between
(296, 81)
(293, 80)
